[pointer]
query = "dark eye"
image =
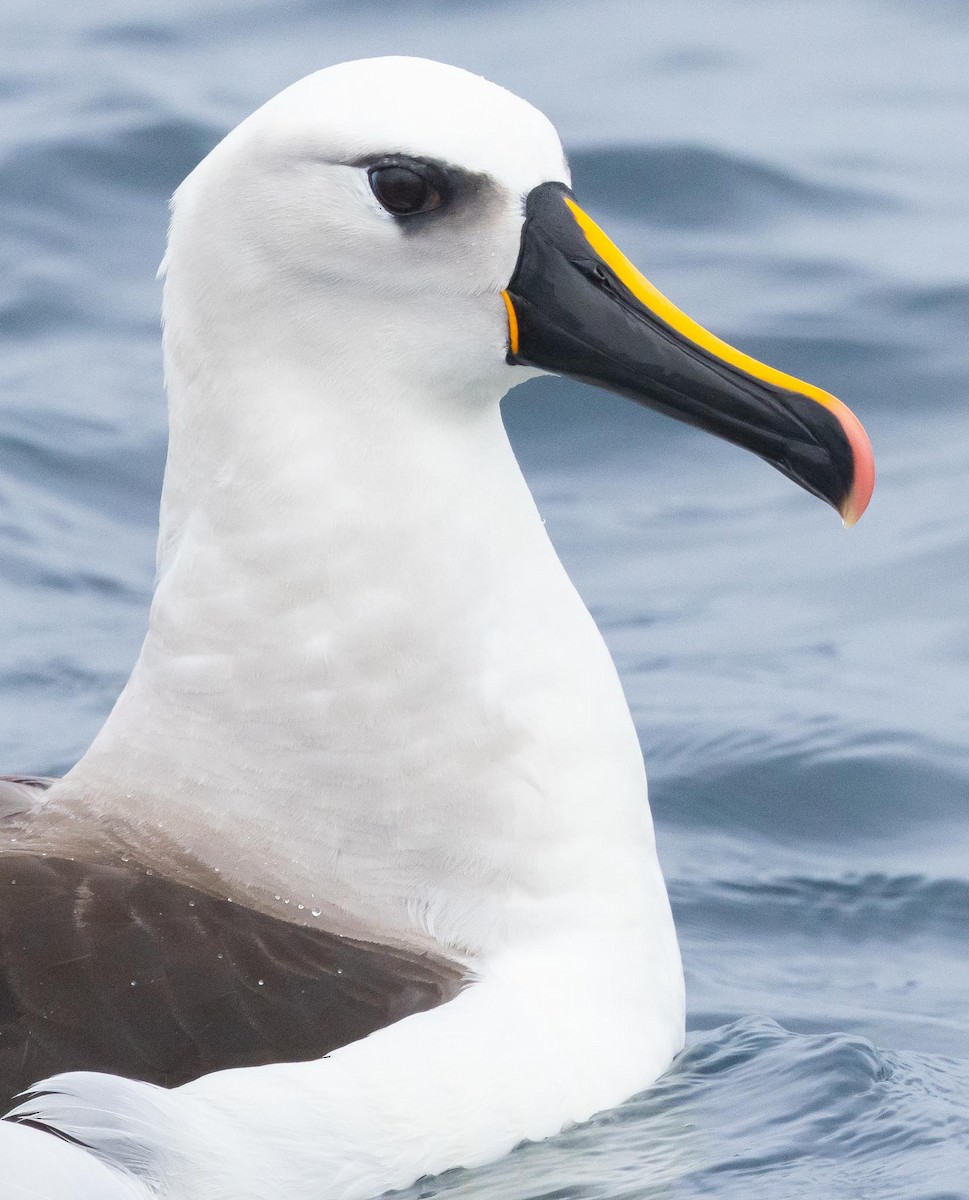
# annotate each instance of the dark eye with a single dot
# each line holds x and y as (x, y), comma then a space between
(404, 191)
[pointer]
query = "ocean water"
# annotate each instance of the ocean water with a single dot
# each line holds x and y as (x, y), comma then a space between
(795, 175)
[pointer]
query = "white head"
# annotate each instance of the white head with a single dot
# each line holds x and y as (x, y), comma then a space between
(279, 243)
(305, 311)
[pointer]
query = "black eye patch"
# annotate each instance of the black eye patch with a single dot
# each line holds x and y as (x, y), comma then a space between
(406, 186)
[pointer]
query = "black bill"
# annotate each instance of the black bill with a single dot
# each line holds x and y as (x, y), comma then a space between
(578, 307)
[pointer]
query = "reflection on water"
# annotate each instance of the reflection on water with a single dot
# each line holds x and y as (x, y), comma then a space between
(790, 175)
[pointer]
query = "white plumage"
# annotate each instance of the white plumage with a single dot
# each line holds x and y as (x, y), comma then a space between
(369, 697)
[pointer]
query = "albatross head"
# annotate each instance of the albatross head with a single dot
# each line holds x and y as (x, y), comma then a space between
(408, 228)
(365, 221)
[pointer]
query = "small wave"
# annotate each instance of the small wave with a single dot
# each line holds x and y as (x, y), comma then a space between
(856, 904)
(136, 35)
(122, 152)
(108, 474)
(835, 800)
(697, 187)
(852, 1064)
(950, 301)
(751, 1111)
(35, 304)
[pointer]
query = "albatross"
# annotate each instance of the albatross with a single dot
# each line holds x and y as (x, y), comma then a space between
(358, 882)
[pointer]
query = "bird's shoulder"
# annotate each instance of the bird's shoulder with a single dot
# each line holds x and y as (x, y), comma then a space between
(107, 965)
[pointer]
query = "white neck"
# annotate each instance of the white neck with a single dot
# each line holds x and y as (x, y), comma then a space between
(368, 686)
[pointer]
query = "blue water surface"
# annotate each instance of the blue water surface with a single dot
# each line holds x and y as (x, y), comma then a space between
(795, 175)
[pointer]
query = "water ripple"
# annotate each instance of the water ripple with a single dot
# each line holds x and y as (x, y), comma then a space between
(752, 1111)
(699, 187)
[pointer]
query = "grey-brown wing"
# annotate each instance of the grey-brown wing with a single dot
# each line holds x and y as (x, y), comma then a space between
(20, 794)
(105, 967)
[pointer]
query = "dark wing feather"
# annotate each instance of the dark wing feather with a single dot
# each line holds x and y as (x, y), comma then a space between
(107, 967)
(19, 794)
